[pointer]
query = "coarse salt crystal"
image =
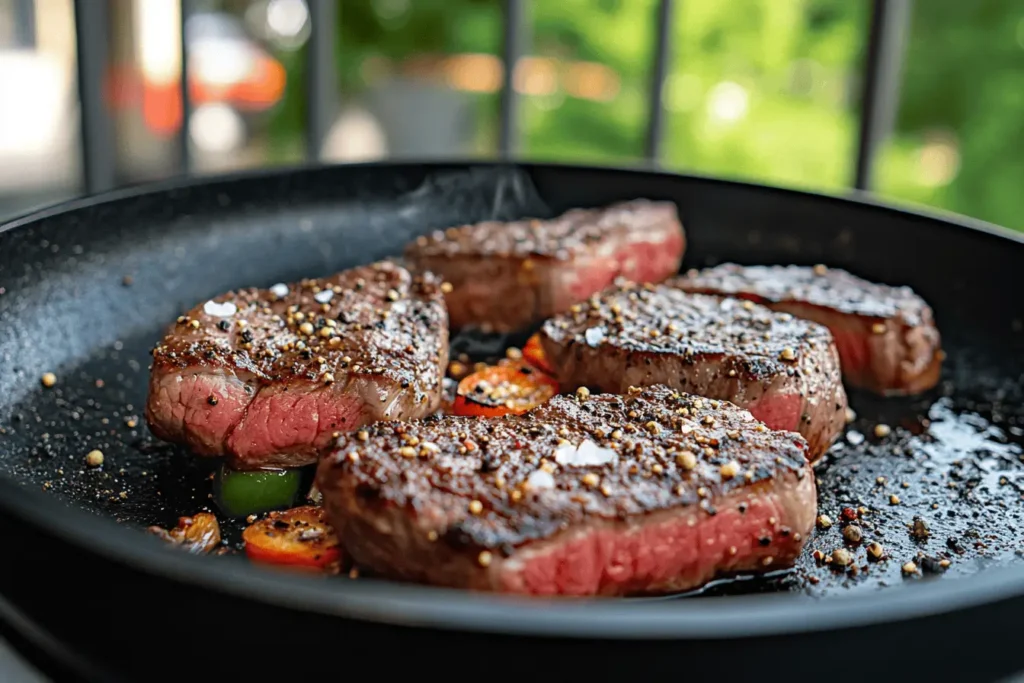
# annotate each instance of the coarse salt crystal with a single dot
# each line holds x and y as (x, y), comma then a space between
(586, 454)
(539, 479)
(223, 310)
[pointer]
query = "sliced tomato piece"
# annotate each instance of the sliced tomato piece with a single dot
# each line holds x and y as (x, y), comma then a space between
(533, 353)
(502, 390)
(299, 538)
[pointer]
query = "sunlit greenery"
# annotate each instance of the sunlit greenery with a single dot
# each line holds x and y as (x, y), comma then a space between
(766, 90)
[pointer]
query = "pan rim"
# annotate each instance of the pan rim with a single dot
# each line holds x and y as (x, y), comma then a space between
(860, 198)
(410, 605)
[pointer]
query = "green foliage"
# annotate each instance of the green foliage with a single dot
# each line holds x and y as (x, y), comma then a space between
(965, 74)
(759, 89)
(400, 29)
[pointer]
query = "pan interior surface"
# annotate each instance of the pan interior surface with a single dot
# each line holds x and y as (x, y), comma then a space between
(87, 290)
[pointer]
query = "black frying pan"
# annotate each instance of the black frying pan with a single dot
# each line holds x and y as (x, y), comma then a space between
(103, 596)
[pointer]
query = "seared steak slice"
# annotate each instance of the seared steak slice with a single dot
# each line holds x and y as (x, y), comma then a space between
(652, 492)
(886, 336)
(508, 276)
(265, 377)
(782, 369)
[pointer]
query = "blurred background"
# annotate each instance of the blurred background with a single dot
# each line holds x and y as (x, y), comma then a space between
(762, 90)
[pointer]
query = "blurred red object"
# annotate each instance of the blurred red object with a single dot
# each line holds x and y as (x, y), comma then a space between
(261, 88)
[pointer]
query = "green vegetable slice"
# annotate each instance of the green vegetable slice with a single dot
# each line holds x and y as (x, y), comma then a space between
(239, 494)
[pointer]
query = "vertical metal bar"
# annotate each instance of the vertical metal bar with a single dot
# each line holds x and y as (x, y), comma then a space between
(321, 84)
(25, 23)
(185, 148)
(659, 72)
(516, 38)
(880, 98)
(91, 33)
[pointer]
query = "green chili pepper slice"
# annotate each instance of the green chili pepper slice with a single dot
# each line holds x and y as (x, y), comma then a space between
(239, 494)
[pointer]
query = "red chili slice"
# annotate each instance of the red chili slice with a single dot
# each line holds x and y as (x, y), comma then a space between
(299, 538)
(533, 353)
(502, 390)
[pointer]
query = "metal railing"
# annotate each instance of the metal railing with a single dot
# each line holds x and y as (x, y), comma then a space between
(878, 102)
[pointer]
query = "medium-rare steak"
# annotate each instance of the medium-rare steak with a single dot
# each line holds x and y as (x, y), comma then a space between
(508, 276)
(651, 492)
(886, 336)
(782, 369)
(266, 376)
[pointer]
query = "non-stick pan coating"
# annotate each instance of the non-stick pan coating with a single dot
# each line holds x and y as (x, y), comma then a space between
(86, 291)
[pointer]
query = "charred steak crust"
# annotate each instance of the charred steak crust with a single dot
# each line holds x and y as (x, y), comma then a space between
(886, 335)
(266, 376)
(506, 276)
(670, 490)
(783, 369)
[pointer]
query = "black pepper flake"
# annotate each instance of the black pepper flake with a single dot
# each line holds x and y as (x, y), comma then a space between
(224, 325)
(457, 537)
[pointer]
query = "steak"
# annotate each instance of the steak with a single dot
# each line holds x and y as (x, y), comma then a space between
(886, 336)
(265, 377)
(510, 276)
(782, 369)
(652, 492)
